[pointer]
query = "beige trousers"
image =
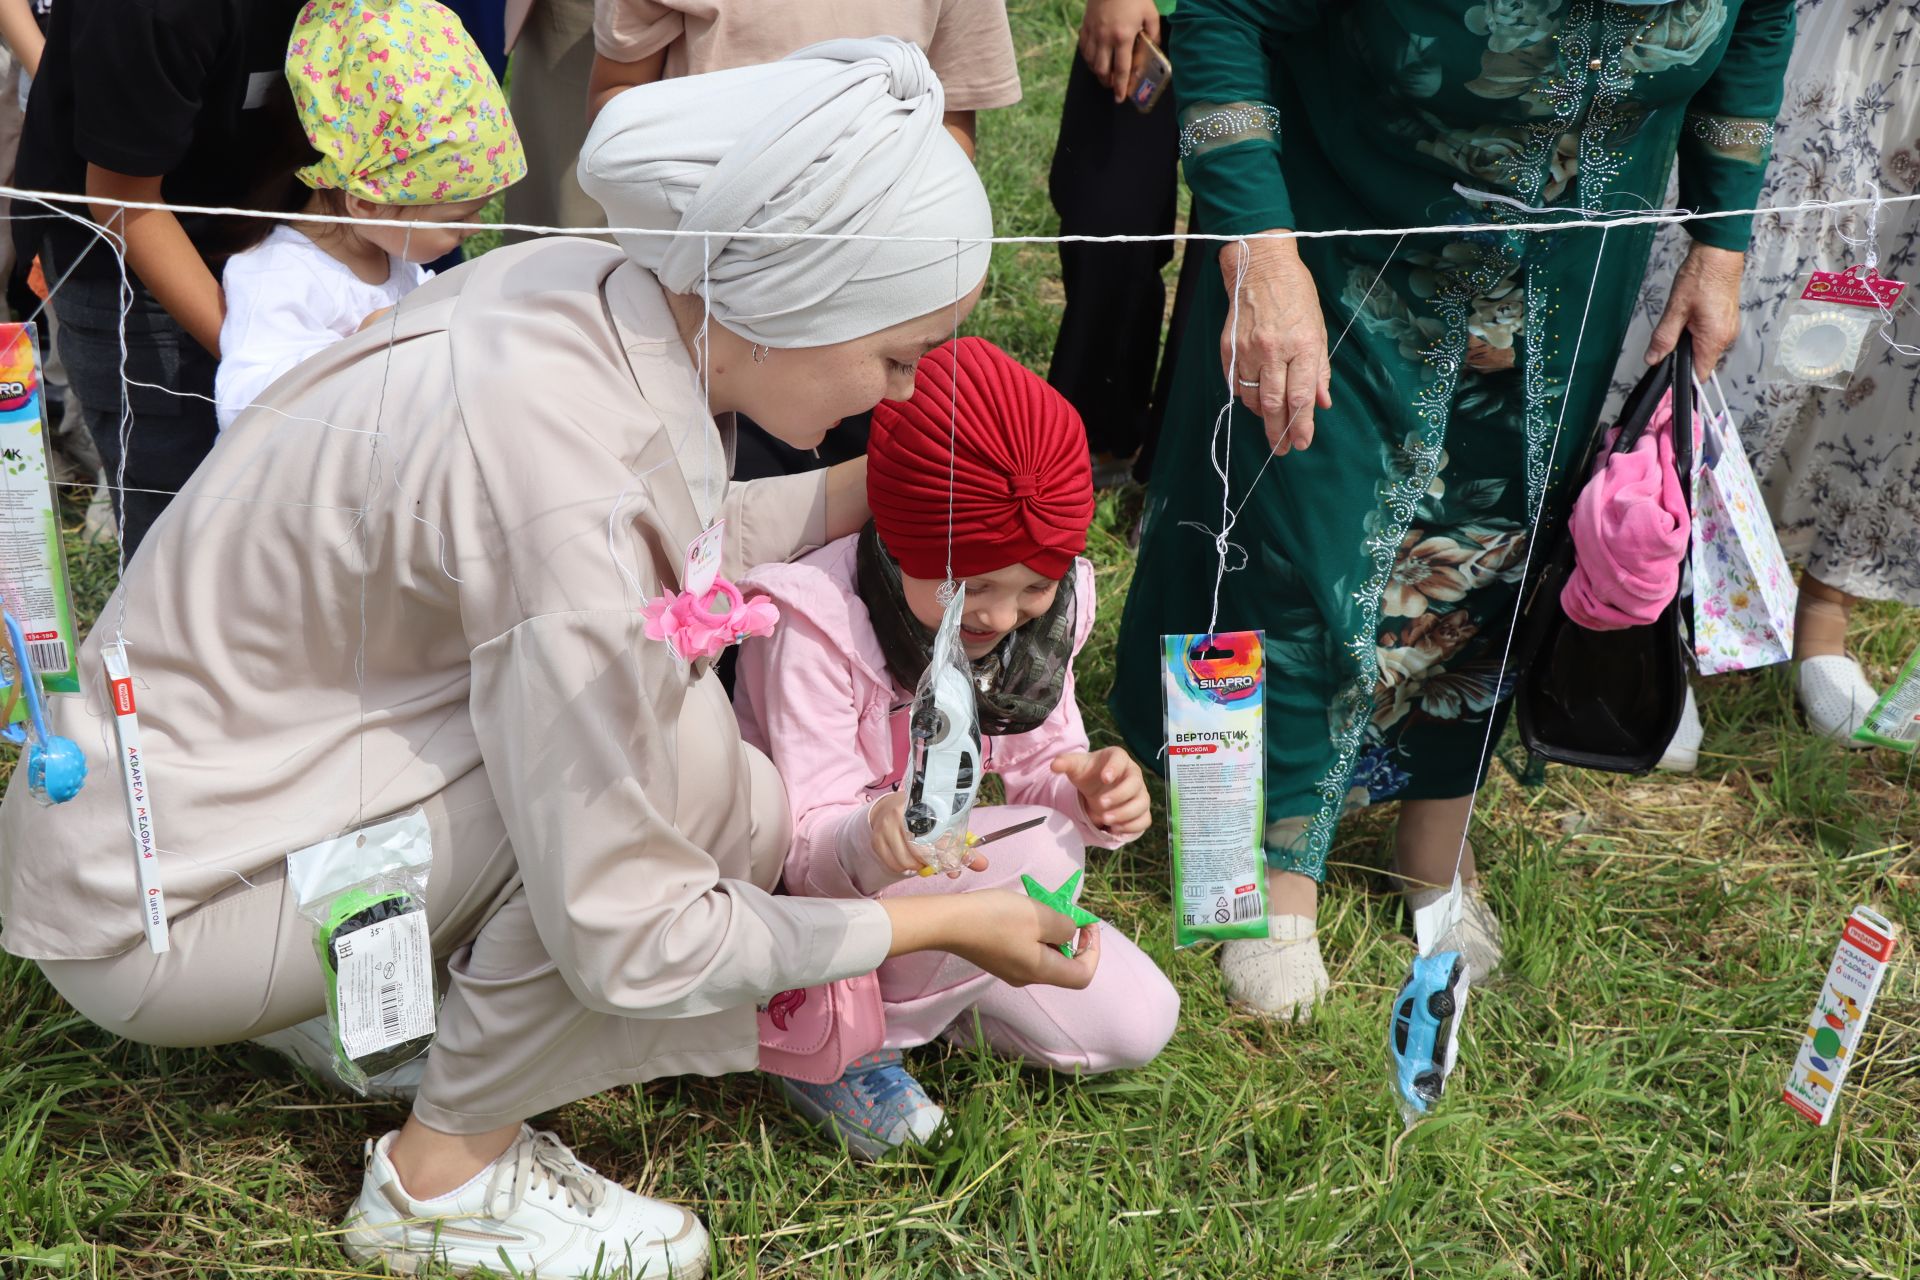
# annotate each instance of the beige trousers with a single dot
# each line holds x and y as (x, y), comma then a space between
(513, 1039)
(548, 96)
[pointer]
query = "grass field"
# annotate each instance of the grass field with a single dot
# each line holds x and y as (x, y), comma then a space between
(1616, 1112)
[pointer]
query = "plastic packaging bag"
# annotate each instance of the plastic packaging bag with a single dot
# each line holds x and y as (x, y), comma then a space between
(1825, 324)
(944, 775)
(366, 895)
(1895, 719)
(1215, 690)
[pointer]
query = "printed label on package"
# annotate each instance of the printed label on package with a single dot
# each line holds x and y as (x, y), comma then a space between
(1832, 1036)
(1215, 690)
(385, 985)
(137, 787)
(33, 572)
(1852, 288)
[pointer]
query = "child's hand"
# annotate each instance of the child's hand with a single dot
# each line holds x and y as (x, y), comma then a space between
(1112, 788)
(374, 317)
(894, 847)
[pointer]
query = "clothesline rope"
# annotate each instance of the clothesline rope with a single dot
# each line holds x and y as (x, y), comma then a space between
(1586, 222)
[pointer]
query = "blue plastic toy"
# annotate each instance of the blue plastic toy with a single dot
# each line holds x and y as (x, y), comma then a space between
(1425, 1036)
(56, 769)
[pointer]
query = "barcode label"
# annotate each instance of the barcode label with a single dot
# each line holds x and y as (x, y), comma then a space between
(385, 984)
(48, 656)
(390, 1011)
(1246, 907)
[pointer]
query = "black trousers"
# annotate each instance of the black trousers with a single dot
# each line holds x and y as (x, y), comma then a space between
(1115, 172)
(170, 426)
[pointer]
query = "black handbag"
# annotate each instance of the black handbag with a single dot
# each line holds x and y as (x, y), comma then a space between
(1608, 700)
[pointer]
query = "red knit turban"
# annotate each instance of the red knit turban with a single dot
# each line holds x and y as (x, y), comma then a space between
(1022, 484)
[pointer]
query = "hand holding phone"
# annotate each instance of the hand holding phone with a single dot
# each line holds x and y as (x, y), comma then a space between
(1107, 39)
(1152, 72)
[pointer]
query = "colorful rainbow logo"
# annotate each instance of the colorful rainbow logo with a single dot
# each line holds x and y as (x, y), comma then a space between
(1224, 667)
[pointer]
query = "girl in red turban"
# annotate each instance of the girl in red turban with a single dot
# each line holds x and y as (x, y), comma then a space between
(987, 450)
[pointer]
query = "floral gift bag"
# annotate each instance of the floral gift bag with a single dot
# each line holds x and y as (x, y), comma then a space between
(1743, 590)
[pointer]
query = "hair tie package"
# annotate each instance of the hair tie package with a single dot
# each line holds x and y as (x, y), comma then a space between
(1825, 326)
(366, 894)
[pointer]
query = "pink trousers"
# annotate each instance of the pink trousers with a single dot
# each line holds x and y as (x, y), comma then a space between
(1122, 1020)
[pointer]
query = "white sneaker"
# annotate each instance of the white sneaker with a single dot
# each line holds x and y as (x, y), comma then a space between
(309, 1044)
(536, 1211)
(1836, 697)
(1683, 753)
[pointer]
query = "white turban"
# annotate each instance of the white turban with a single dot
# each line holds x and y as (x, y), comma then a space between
(842, 137)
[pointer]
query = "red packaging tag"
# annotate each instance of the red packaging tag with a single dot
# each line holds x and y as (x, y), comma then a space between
(1853, 288)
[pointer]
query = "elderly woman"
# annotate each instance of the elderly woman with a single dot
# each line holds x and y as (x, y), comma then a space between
(1383, 562)
(413, 578)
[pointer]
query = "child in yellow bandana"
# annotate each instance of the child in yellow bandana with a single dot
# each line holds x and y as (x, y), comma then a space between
(409, 124)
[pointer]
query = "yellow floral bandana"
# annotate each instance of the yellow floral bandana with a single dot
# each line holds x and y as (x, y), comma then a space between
(399, 103)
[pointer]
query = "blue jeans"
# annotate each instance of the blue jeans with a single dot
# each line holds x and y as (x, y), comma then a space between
(171, 428)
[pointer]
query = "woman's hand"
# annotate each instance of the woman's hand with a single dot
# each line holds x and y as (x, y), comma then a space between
(1279, 366)
(1007, 934)
(1112, 789)
(893, 845)
(1706, 302)
(1106, 39)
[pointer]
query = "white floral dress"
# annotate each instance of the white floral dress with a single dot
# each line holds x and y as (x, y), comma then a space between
(1841, 469)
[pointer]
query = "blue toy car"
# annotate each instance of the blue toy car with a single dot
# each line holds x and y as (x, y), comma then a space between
(1426, 1019)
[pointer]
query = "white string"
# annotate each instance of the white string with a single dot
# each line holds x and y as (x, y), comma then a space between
(1526, 566)
(953, 422)
(1871, 244)
(1451, 229)
(1220, 443)
(1286, 435)
(365, 529)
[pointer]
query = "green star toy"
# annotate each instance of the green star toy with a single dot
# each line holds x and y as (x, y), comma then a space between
(1061, 900)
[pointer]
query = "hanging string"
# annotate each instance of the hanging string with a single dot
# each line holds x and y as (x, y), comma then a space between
(364, 527)
(1526, 566)
(1870, 244)
(1220, 444)
(953, 423)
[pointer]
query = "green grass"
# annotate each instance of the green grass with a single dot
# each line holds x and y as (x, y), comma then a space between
(1616, 1112)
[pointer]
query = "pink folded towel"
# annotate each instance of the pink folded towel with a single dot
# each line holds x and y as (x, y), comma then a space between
(1630, 531)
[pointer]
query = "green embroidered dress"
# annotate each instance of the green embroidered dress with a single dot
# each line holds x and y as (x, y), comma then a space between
(1383, 563)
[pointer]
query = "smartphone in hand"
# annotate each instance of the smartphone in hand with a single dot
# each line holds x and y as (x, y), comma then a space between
(1151, 74)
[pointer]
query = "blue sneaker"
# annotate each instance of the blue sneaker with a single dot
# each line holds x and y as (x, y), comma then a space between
(875, 1107)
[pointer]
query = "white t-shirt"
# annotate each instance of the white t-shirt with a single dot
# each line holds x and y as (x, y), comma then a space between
(286, 299)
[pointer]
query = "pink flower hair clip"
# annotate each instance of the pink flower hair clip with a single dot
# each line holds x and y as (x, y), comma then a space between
(697, 627)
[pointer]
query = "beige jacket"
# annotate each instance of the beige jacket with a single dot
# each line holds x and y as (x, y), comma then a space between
(542, 461)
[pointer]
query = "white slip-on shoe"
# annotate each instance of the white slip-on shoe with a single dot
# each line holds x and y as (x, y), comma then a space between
(536, 1211)
(1683, 753)
(309, 1044)
(1476, 936)
(1835, 695)
(1279, 976)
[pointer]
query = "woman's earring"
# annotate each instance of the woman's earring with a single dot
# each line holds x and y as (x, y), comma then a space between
(760, 353)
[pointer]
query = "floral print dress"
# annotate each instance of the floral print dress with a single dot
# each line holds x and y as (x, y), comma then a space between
(1384, 563)
(1840, 469)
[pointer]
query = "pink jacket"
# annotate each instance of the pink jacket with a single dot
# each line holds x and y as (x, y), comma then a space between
(816, 697)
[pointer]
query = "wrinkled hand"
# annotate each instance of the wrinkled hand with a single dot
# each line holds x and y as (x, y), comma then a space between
(1106, 39)
(1112, 788)
(1282, 340)
(894, 847)
(1018, 941)
(1706, 302)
